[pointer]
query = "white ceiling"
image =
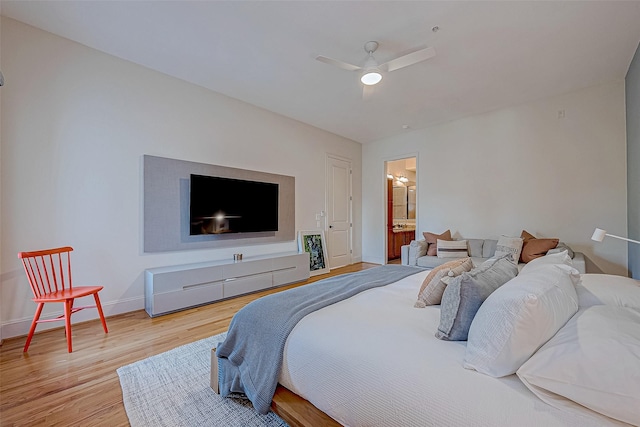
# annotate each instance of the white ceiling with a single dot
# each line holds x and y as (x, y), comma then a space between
(490, 55)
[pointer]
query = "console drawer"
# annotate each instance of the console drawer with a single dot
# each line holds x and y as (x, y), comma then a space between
(244, 285)
(172, 280)
(290, 269)
(246, 268)
(187, 297)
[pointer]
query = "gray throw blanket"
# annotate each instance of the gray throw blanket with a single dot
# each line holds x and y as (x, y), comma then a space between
(250, 358)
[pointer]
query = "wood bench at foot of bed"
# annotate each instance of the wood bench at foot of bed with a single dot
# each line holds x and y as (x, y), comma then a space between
(298, 412)
(295, 410)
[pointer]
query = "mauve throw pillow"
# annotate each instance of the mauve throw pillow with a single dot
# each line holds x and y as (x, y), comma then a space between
(465, 294)
(432, 240)
(432, 287)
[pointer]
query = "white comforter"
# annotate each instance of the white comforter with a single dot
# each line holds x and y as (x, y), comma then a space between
(373, 360)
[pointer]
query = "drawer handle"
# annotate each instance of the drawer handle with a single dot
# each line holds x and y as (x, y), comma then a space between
(198, 285)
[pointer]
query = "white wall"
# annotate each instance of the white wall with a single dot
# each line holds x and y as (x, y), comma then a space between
(1, 336)
(514, 169)
(75, 124)
(632, 92)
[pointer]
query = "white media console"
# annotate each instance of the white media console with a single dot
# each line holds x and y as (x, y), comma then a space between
(174, 288)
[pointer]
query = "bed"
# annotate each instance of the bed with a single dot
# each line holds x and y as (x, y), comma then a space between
(373, 360)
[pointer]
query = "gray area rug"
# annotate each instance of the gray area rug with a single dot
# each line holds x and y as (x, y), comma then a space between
(172, 389)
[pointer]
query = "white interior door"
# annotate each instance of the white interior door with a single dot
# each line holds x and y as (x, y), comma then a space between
(339, 224)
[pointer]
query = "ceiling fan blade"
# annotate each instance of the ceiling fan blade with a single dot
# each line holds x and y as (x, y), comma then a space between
(339, 64)
(409, 59)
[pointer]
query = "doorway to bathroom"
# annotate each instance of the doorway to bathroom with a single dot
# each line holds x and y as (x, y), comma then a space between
(401, 208)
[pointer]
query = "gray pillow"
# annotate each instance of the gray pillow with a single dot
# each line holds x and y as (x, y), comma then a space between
(561, 247)
(489, 248)
(474, 246)
(465, 294)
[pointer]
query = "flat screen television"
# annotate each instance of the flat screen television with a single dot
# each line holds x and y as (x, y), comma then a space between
(225, 205)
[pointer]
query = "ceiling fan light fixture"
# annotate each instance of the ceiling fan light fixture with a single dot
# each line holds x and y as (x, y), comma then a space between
(371, 71)
(371, 77)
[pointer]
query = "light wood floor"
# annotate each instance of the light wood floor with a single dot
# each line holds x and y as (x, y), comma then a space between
(48, 386)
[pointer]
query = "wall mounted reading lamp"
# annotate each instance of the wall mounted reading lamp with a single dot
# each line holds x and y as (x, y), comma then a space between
(599, 234)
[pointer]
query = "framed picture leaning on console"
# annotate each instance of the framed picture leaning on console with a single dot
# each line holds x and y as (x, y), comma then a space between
(313, 242)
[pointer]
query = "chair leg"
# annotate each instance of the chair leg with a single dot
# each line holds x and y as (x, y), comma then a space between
(99, 307)
(67, 322)
(36, 317)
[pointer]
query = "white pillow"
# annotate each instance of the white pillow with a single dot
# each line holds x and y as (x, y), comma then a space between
(593, 361)
(509, 246)
(559, 258)
(452, 249)
(519, 317)
(607, 289)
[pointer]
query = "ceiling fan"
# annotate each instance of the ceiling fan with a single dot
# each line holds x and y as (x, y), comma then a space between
(372, 71)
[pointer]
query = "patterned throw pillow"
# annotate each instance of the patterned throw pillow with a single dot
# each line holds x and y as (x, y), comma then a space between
(452, 249)
(509, 246)
(432, 240)
(433, 287)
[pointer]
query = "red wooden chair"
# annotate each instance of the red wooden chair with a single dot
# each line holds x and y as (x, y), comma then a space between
(49, 274)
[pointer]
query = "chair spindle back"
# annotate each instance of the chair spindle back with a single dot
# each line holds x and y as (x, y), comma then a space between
(48, 270)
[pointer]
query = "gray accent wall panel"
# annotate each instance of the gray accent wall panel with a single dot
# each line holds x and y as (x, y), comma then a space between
(632, 96)
(166, 206)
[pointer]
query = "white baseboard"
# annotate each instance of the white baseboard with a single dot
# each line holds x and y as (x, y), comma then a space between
(20, 327)
(374, 260)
